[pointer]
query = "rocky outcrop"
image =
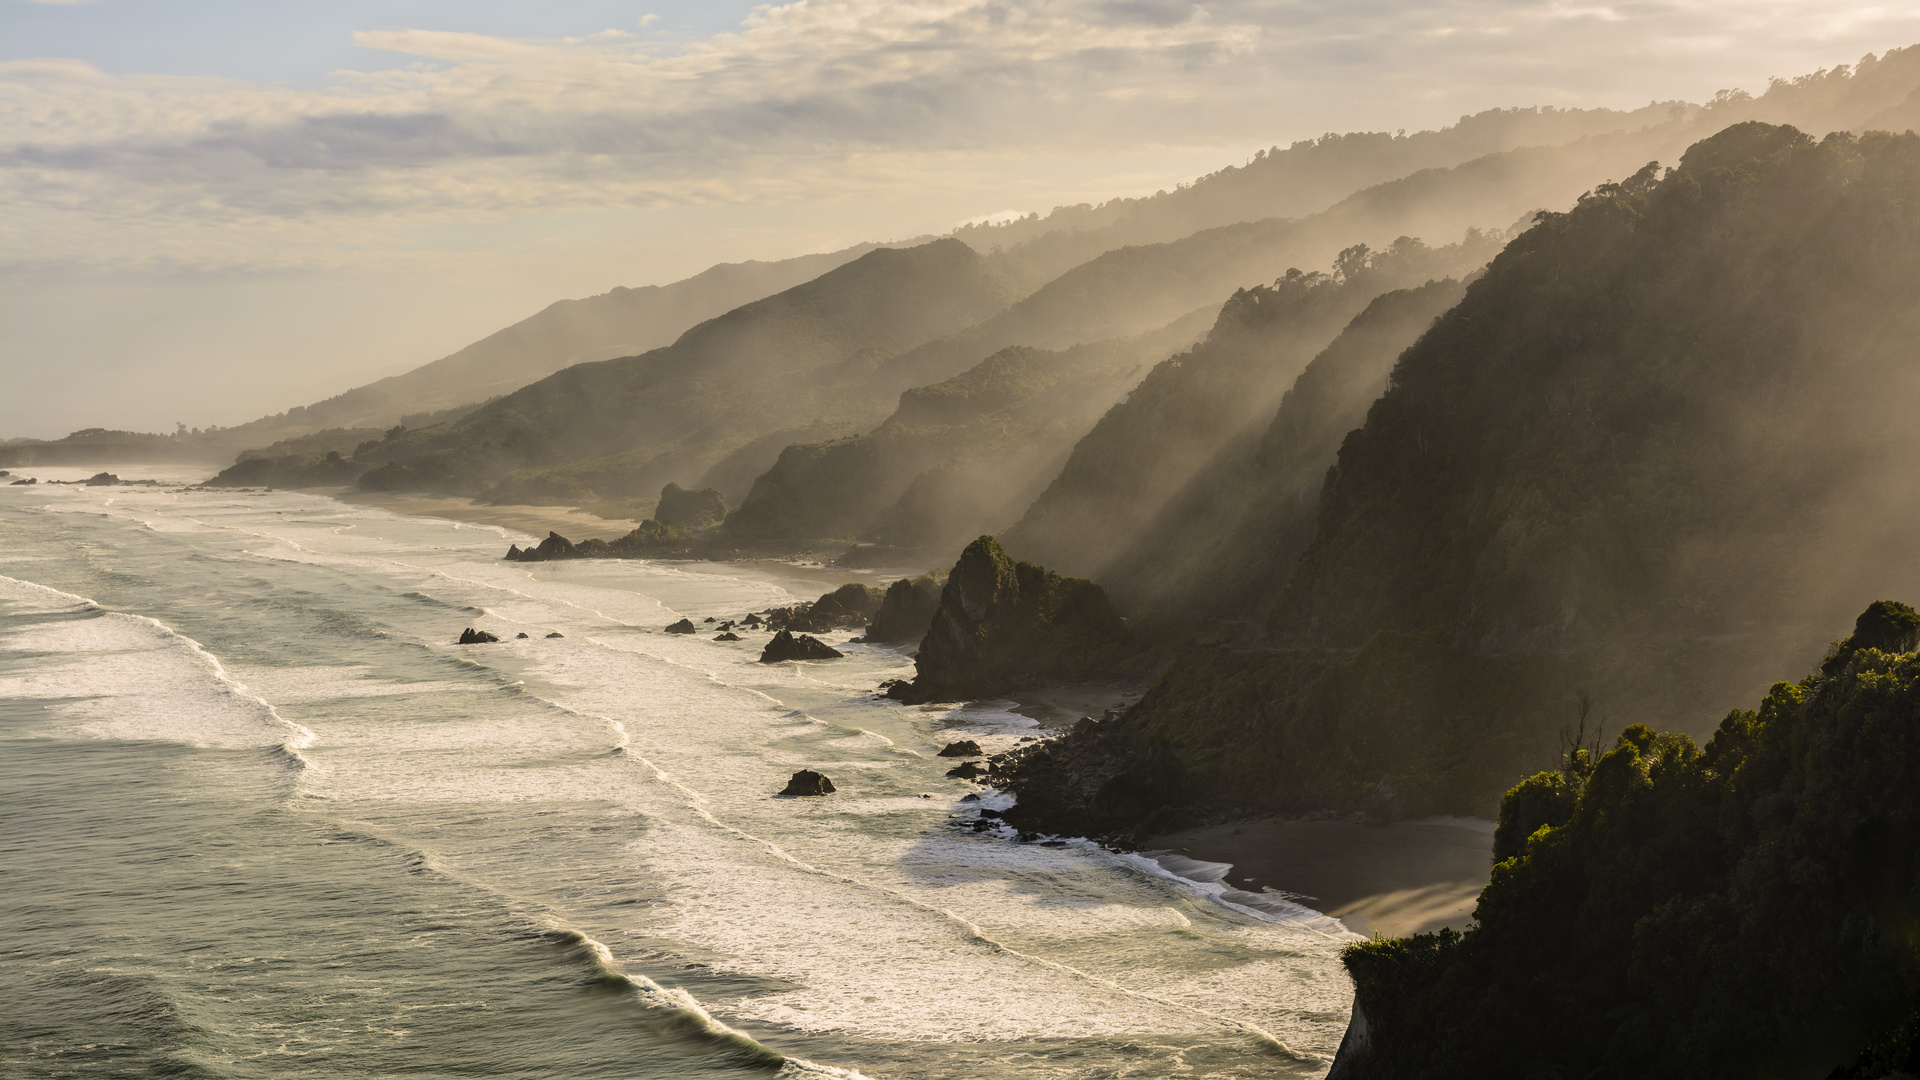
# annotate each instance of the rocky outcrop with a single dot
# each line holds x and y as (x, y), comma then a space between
(963, 748)
(726, 636)
(105, 479)
(806, 782)
(785, 646)
(967, 770)
(845, 607)
(1003, 624)
(553, 547)
(689, 509)
(907, 610)
(470, 636)
(684, 626)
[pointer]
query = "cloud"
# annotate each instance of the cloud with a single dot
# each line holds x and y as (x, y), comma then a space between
(827, 99)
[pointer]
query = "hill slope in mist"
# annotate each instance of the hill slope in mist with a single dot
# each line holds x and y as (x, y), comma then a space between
(1220, 550)
(1009, 419)
(801, 356)
(1192, 406)
(1645, 460)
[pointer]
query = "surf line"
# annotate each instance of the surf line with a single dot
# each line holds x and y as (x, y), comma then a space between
(695, 802)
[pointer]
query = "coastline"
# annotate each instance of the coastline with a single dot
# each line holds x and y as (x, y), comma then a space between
(1406, 878)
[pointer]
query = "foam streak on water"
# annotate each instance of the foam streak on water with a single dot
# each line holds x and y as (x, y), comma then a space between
(262, 818)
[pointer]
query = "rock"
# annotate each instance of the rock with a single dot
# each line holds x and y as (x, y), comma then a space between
(520, 636)
(28, 480)
(967, 770)
(553, 547)
(726, 637)
(1003, 624)
(907, 609)
(684, 626)
(963, 748)
(470, 636)
(807, 782)
(725, 626)
(1084, 725)
(973, 797)
(708, 619)
(689, 509)
(753, 621)
(556, 634)
(785, 646)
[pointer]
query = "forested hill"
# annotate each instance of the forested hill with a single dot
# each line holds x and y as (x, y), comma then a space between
(1676, 410)
(1647, 457)
(795, 358)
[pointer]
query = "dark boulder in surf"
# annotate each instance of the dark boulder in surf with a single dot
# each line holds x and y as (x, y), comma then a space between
(785, 646)
(967, 770)
(753, 621)
(555, 634)
(726, 637)
(470, 636)
(963, 748)
(514, 554)
(684, 626)
(105, 479)
(807, 782)
(521, 636)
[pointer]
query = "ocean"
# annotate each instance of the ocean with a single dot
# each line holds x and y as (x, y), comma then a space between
(260, 817)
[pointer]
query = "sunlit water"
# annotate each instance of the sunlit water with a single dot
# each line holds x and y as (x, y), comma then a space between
(259, 817)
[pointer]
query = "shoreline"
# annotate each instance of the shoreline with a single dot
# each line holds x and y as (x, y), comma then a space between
(1405, 878)
(1409, 877)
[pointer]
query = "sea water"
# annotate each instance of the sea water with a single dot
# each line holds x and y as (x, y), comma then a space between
(260, 817)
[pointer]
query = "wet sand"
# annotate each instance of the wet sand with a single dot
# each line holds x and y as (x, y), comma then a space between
(1406, 878)
(1059, 707)
(573, 524)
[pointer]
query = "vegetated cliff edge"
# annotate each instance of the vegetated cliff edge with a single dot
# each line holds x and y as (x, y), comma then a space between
(1648, 455)
(1746, 910)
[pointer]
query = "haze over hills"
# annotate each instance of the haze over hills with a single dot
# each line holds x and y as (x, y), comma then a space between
(628, 426)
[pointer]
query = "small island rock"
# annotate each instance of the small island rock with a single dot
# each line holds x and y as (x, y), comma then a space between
(808, 782)
(470, 636)
(726, 637)
(785, 646)
(684, 626)
(963, 748)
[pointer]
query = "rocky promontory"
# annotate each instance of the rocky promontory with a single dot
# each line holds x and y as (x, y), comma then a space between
(1003, 624)
(785, 646)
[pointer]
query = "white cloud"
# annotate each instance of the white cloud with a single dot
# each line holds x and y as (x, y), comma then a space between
(827, 99)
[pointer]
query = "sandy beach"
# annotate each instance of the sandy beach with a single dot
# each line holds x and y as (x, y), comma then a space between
(1406, 878)
(539, 520)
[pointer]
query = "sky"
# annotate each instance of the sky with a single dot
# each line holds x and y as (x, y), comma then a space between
(211, 210)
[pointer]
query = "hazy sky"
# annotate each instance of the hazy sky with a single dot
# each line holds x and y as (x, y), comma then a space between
(215, 209)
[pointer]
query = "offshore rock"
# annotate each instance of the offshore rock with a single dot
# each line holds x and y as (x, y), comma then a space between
(555, 634)
(967, 770)
(1003, 624)
(470, 636)
(105, 479)
(553, 547)
(729, 636)
(963, 748)
(684, 626)
(785, 646)
(806, 782)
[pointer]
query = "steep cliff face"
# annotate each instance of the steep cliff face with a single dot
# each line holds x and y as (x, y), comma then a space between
(1194, 406)
(1003, 624)
(1214, 559)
